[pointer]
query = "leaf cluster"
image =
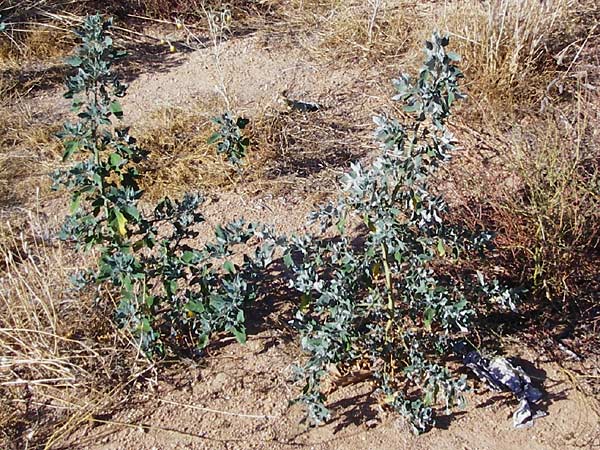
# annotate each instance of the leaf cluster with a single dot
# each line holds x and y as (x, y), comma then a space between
(230, 138)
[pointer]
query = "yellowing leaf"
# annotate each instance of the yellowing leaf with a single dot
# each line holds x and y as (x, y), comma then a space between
(376, 270)
(121, 221)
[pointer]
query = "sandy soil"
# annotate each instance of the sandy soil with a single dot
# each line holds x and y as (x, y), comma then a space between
(238, 399)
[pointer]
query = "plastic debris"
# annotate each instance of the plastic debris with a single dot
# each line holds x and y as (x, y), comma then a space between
(501, 375)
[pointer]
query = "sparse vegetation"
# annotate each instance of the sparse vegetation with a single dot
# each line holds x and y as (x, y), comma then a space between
(549, 210)
(379, 284)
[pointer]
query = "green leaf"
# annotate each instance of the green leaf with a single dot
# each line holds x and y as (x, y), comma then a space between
(74, 61)
(171, 287)
(132, 212)
(120, 221)
(288, 260)
(76, 105)
(440, 248)
(340, 225)
(453, 56)
(213, 138)
(450, 98)
(242, 122)
(428, 316)
(398, 257)
(203, 341)
(304, 302)
(115, 160)
(149, 300)
(229, 267)
(217, 302)
(75, 203)
(116, 109)
(239, 333)
(137, 245)
(70, 148)
(187, 257)
(195, 307)
(415, 107)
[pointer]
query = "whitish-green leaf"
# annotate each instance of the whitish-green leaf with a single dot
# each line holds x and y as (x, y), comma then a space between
(453, 56)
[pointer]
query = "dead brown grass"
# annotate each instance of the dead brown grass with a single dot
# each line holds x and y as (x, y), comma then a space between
(557, 208)
(180, 159)
(62, 361)
(348, 31)
(509, 46)
(306, 152)
(37, 30)
(516, 54)
(289, 150)
(36, 44)
(537, 186)
(28, 153)
(61, 357)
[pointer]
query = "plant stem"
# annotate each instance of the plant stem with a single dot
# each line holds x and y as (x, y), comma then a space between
(388, 285)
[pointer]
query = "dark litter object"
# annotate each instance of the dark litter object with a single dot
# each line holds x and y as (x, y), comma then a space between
(501, 375)
(299, 105)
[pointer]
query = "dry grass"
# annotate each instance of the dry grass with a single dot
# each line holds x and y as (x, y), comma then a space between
(28, 152)
(515, 53)
(346, 31)
(537, 186)
(60, 362)
(289, 150)
(508, 46)
(557, 210)
(179, 159)
(37, 30)
(36, 44)
(307, 152)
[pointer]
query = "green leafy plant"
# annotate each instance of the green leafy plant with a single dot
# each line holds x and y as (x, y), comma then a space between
(171, 293)
(230, 138)
(379, 298)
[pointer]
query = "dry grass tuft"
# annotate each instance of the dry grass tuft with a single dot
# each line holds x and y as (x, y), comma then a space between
(36, 44)
(556, 213)
(180, 160)
(289, 150)
(307, 151)
(37, 30)
(508, 46)
(61, 361)
(538, 186)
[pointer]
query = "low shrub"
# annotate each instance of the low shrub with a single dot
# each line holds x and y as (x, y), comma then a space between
(378, 299)
(170, 294)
